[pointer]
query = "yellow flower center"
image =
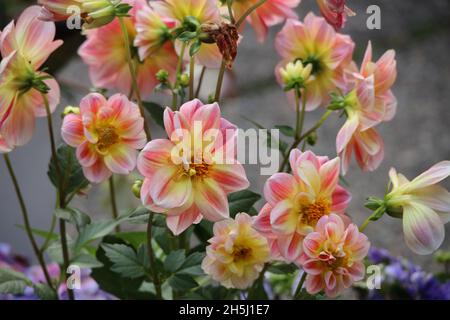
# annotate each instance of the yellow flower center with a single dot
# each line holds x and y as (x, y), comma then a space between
(107, 137)
(199, 170)
(241, 253)
(313, 212)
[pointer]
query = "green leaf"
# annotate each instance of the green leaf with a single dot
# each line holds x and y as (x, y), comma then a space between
(95, 231)
(242, 201)
(12, 282)
(125, 260)
(86, 261)
(72, 177)
(195, 47)
(192, 265)
(187, 36)
(135, 238)
(113, 283)
(74, 216)
(282, 268)
(257, 291)
(203, 231)
(40, 233)
(174, 260)
(156, 111)
(182, 282)
(44, 292)
(286, 130)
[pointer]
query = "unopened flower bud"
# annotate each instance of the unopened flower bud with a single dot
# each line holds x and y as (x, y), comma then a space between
(136, 188)
(70, 110)
(162, 76)
(184, 80)
(312, 138)
(295, 75)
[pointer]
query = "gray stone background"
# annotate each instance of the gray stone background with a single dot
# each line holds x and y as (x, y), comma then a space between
(417, 138)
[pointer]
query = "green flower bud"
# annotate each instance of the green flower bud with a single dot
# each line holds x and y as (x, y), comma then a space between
(136, 188)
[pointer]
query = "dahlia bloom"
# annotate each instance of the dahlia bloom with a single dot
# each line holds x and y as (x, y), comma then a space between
(314, 41)
(104, 52)
(271, 13)
(24, 47)
(369, 103)
(189, 175)
(236, 254)
(333, 256)
(335, 12)
(107, 135)
(300, 199)
(423, 205)
(204, 11)
(58, 10)
(153, 31)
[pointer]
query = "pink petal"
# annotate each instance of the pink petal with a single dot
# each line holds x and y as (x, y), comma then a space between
(290, 246)
(170, 189)
(178, 224)
(279, 187)
(283, 219)
(231, 177)
(121, 159)
(435, 174)
(72, 130)
(211, 199)
(97, 173)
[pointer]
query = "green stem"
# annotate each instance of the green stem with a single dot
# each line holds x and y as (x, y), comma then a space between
(177, 77)
(300, 285)
(131, 66)
(364, 224)
(112, 194)
(151, 255)
(191, 78)
(200, 82)
(230, 11)
(220, 81)
(304, 136)
(49, 238)
(60, 195)
(26, 221)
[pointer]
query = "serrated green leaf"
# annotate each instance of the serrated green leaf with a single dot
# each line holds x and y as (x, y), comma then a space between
(156, 111)
(242, 201)
(86, 261)
(174, 260)
(125, 260)
(135, 238)
(74, 216)
(44, 292)
(282, 268)
(182, 282)
(16, 287)
(95, 231)
(72, 178)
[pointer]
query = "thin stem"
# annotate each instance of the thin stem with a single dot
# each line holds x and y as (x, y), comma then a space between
(249, 12)
(230, 11)
(49, 238)
(151, 255)
(134, 83)
(365, 223)
(112, 194)
(26, 221)
(300, 285)
(304, 136)
(191, 78)
(220, 81)
(177, 77)
(200, 82)
(60, 195)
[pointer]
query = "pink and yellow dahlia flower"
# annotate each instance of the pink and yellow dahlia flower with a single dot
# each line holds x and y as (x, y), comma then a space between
(25, 47)
(315, 42)
(271, 13)
(189, 175)
(423, 205)
(236, 254)
(203, 11)
(104, 53)
(297, 201)
(107, 135)
(335, 12)
(333, 256)
(370, 101)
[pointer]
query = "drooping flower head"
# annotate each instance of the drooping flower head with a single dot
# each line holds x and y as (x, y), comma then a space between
(104, 52)
(271, 13)
(300, 199)
(335, 12)
(24, 47)
(189, 175)
(107, 135)
(423, 205)
(315, 42)
(333, 256)
(236, 254)
(369, 102)
(192, 14)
